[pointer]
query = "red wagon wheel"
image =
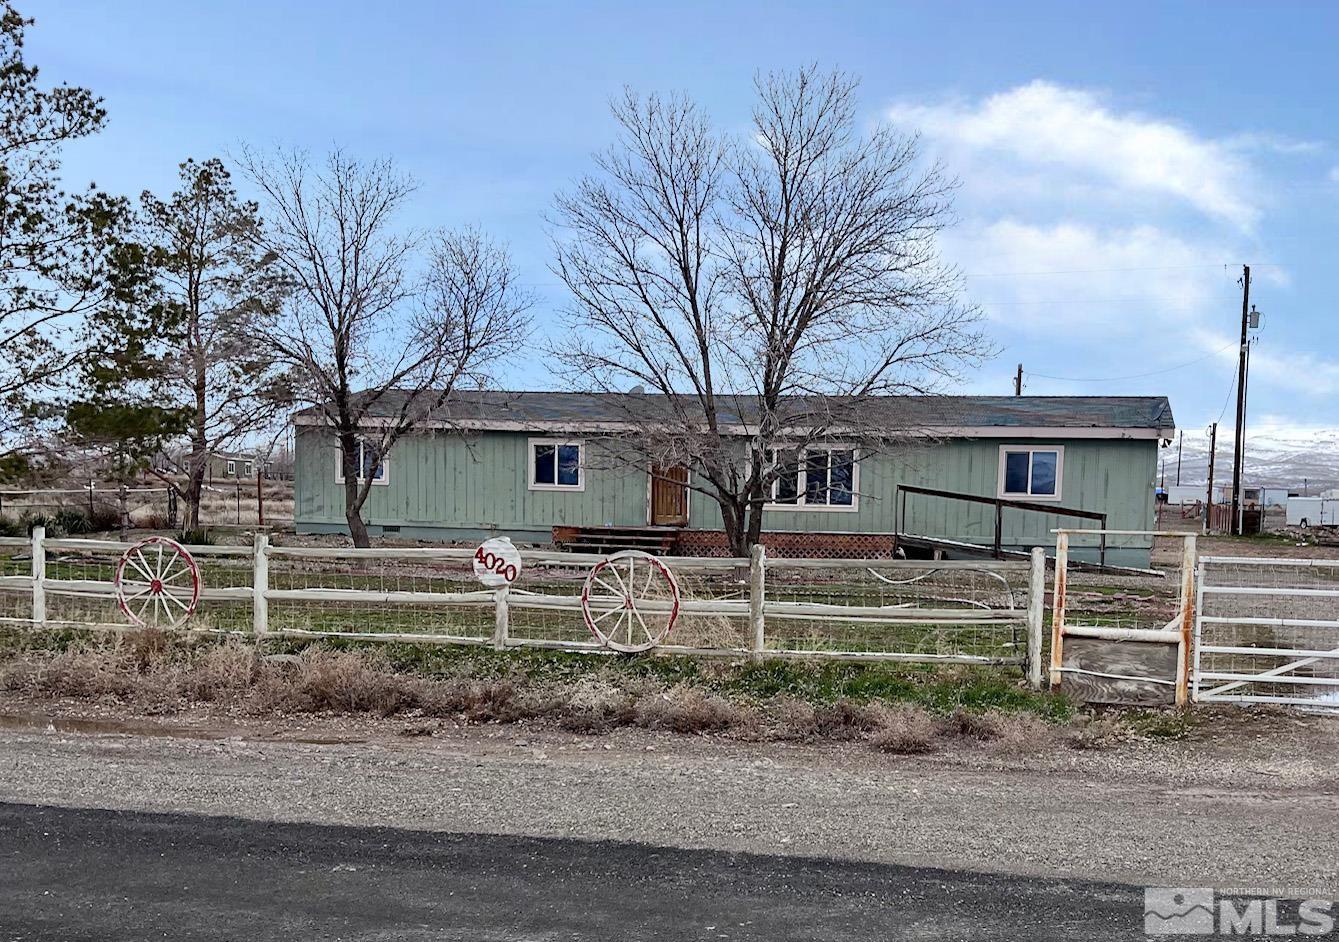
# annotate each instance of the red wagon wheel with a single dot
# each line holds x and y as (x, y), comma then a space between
(157, 583)
(630, 601)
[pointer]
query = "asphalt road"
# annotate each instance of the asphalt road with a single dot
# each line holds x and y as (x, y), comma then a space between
(83, 874)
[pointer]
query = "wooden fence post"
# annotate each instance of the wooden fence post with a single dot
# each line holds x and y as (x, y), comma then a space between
(757, 595)
(260, 584)
(39, 576)
(1036, 607)
(1058, 607)
(1188, 562)
(501, 617)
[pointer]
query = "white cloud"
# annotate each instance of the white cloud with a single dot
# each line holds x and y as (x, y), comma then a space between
(1105, 245)
(1093, 279)
(1046, 126)
(1274, 143)
(1297, 371)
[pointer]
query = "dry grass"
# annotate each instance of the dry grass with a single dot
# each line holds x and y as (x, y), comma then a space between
(905, 730)
(149, 671)
(1013, 732)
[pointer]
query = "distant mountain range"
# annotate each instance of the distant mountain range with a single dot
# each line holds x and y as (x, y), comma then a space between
(1275, 456)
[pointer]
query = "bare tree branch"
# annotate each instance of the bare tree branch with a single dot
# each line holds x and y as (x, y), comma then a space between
(377, 347)
(772, 291)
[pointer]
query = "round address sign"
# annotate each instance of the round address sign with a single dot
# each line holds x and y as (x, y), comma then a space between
(497, 562)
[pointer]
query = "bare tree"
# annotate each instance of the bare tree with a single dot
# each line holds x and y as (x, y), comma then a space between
(773, 291)
(375, 344)
(226, 292)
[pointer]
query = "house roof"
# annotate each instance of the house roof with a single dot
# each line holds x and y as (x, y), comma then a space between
(975, 416)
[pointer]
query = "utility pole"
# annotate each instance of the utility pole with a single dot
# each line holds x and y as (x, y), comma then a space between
(1208, 503)
(1018, 381)
(1241, 503)
(1241, 402)
(1180, 440)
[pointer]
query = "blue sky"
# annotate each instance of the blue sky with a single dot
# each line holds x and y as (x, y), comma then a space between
(1118, 164)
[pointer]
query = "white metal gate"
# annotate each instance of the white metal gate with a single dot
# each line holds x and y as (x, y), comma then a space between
(1267, 631)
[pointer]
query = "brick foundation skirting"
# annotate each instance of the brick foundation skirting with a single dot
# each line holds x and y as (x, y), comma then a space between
(822, 545)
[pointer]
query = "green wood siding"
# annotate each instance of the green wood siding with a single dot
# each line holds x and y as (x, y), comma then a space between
(476, 482)
(1112, 476)
(479, 483)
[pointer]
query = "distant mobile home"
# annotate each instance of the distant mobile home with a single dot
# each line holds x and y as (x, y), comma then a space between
(529, 465)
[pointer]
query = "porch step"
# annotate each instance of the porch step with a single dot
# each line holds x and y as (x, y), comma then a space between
(659, 541)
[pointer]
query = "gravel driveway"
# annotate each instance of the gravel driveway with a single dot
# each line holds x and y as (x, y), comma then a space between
(1253, 804)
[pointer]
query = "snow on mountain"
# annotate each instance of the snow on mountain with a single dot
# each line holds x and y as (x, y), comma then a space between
(1276, 455)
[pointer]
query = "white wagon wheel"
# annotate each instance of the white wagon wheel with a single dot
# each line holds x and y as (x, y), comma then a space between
(630, 601)
(157, 583)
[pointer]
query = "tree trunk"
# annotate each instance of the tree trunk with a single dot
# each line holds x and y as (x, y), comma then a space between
(753, 532)
(199, 431)
(353, 505)
(357, 529)
(195, 485)
(734, 530)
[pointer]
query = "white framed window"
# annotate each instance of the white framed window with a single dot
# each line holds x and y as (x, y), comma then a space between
(556, 464)
(380, 473)
(246, 469)
(821, 477)
(232, 467)
(1034, 472)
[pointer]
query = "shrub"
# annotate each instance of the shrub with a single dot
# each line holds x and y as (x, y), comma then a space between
(847, 718)
(154, 520)
(49, 521)
(1013, 731)
(595, 705)
(687, 709)
(904, 730)
(104, 517)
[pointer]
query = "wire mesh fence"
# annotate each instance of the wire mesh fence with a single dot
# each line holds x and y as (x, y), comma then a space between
(1119, 598)
(919, 611)
(944, 610)
(102, 507)
(1268, 631)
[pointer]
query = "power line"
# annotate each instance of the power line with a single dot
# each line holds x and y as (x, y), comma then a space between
(1112, 379)
(1228, 399)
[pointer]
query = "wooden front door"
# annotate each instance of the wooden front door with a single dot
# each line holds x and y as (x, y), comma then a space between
(669, 496)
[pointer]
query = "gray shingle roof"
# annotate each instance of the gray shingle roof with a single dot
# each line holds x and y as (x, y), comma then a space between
(510, 409)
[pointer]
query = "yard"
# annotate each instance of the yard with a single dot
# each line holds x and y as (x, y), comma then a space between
(959, 765)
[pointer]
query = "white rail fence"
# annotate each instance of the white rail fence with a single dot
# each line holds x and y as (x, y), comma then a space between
(936, 612)
(1267, 631)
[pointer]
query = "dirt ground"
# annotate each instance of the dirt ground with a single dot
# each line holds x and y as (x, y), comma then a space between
(1248, 799)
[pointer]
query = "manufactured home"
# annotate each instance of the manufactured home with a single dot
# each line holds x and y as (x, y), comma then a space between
(974, 475)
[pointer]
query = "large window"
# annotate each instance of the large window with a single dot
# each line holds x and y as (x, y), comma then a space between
(1031, 471)
(820, 478)
(556, 465)
(367, 465)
